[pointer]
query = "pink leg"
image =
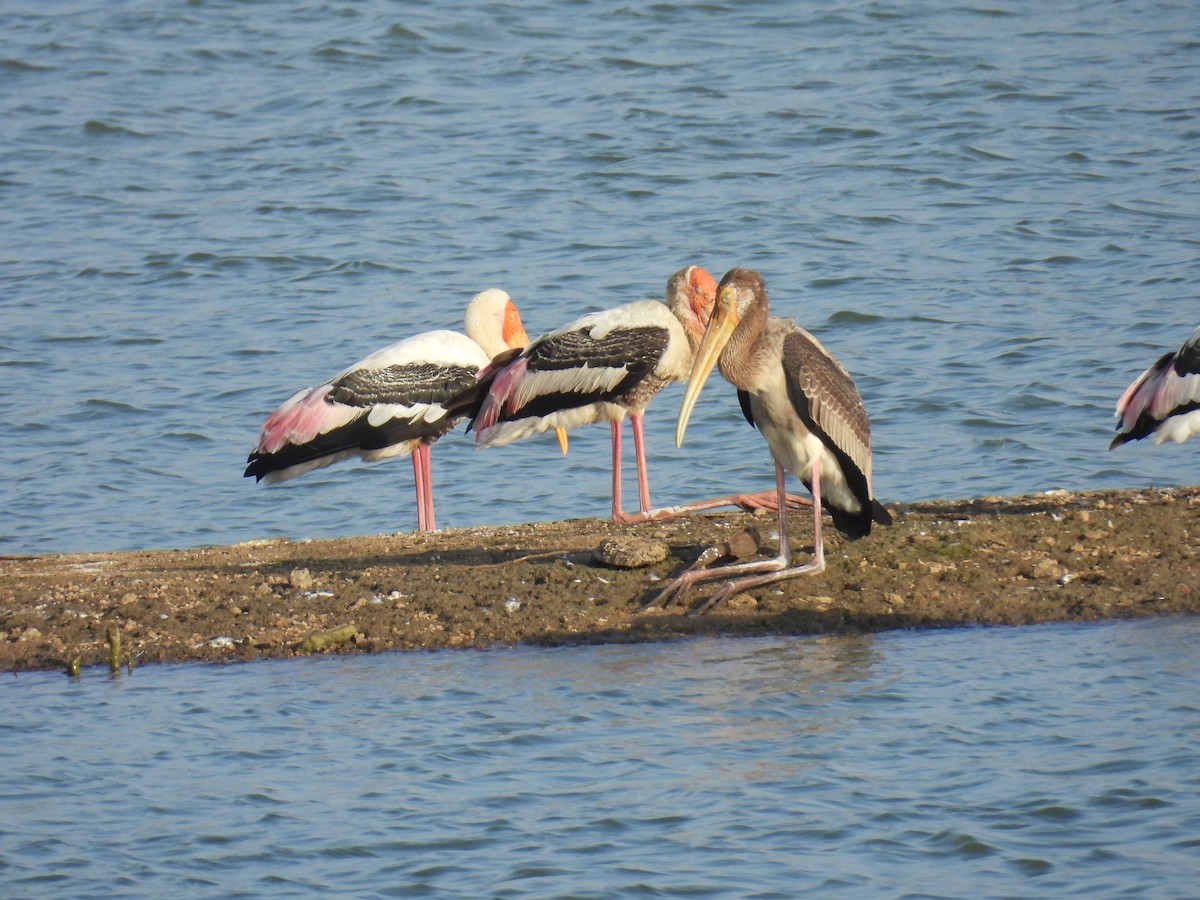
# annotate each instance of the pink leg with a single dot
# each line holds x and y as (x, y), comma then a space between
(777, 569)
(419, 481)
(615, 430)
(423, 476)
(768, 500)
(764, 500)
(814, 566)
(639, 451)
(427, 464)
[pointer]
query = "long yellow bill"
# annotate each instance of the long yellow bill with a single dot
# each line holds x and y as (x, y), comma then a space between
(716, 336)
(561, 434)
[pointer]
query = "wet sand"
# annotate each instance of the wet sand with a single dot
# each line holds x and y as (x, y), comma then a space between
(989, 561)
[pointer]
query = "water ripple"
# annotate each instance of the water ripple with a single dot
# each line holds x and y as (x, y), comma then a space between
(987, 214)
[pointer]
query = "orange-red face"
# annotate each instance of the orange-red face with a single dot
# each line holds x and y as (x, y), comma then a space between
(721, 324)
(702, 294)
(512, 331)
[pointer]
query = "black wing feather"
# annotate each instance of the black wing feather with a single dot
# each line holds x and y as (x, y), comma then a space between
(636, 350)
(813, 377)
(744, 403)
(405, 385)
(1187, 360)
(355, 436)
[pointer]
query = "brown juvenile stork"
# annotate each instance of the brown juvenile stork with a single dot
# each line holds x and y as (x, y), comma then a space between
(808, 409)
(603, 367)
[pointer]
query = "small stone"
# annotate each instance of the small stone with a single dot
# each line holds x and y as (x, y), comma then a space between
(300, 579)
(630, 553)
(741, 601)
(29, 634)
(1047, 568)
(128, 598)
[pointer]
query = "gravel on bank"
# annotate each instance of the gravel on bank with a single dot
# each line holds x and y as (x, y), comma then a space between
(989, 561)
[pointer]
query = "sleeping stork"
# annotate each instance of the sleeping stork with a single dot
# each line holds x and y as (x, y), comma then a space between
(602, 367)
(1164, 401)
(390, 404)
(808, 409)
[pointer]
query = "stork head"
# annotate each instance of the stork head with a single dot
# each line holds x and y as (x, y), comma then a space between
(691, 293)
(493, 322)
(495, 325)
(737, 292)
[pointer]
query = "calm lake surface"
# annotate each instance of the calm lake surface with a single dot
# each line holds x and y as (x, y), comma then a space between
(988, 212)
(1049, 761)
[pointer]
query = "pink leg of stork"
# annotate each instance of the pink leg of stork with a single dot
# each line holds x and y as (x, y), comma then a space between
(764, 500)
(617, 515)
(423, 477)
(776, 569)
(427, 462)
(768, 500)
(639, 452)
(418, 483)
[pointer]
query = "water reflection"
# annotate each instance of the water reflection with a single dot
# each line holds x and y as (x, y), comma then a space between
(735, 766)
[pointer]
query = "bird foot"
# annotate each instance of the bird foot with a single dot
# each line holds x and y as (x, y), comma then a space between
(736, 586)
(767, 500)
(683, 583)
(672, 592)
(651, 515)
(719, 596)
(742, 545)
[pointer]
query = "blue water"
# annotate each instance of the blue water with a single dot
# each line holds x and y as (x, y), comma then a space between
(1049, 761)
(988, 212)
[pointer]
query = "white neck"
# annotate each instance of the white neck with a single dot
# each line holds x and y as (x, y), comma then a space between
(485, 320)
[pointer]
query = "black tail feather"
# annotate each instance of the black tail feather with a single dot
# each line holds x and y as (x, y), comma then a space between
(855, 525)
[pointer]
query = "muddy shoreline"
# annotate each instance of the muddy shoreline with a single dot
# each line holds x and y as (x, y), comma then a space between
(989, 561)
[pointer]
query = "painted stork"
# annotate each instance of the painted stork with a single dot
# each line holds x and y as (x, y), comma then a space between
(808, 409)
(602, 367)
(392, 403)
(1164, 401)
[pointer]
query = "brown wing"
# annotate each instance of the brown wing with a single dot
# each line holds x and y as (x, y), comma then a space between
(824, 394)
